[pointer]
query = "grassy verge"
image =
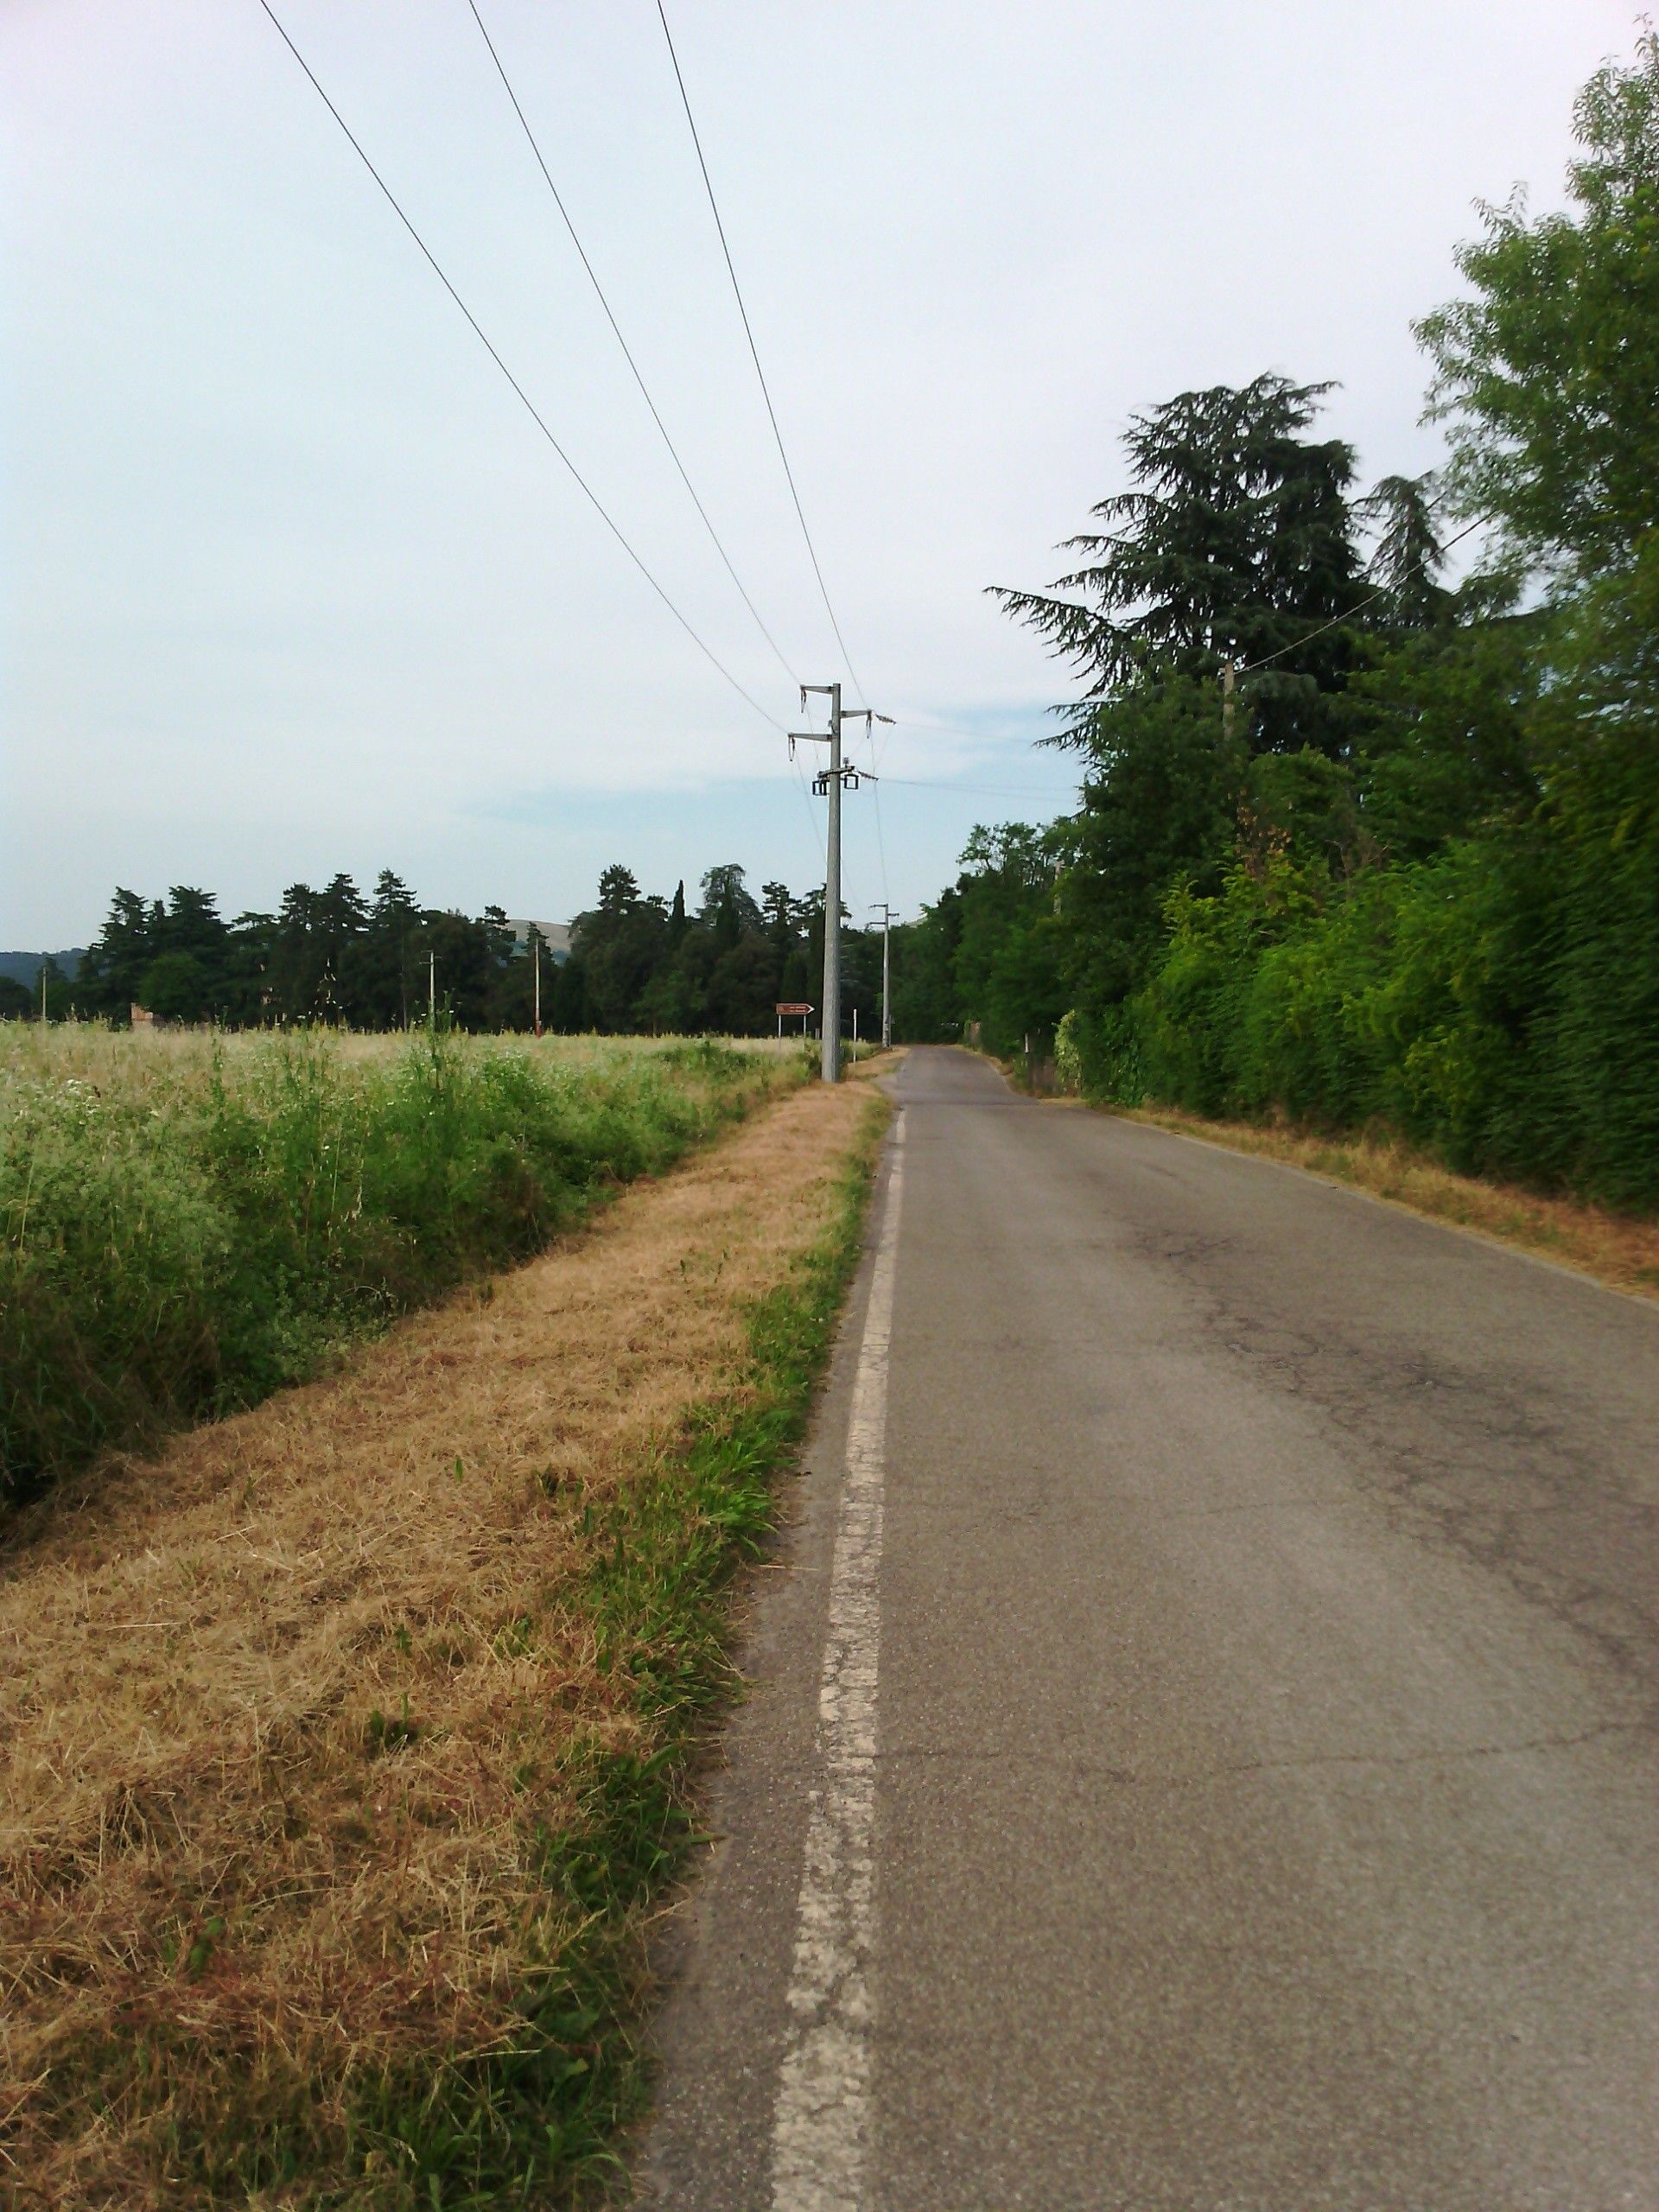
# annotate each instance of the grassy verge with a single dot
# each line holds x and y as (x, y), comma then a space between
(535, 2122)
(1616, 1249)
(343, 1750)
(187, 1226)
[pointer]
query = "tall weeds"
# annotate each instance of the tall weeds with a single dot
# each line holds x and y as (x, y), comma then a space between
(184, 1229)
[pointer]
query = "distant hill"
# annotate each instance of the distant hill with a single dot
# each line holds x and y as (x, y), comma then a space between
(556, 935)
(25, 967)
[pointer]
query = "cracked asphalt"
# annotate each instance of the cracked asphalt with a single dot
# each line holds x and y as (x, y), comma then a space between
(1265, 1810)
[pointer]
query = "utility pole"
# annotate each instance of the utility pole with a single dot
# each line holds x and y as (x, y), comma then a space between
(431, 990)
(886, 912)
(830, 1054)
(1229, 678)
(535, 948)
(828, 783)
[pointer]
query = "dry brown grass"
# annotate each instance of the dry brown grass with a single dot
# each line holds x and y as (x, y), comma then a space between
(1614, 1249)
(208, 1842)
(119, 1059)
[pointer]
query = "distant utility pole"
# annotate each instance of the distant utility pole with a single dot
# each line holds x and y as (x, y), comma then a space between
(42, 990)
(431, 990)
(1229, 678)
(886, 912)
(828, 782)
(535, 947)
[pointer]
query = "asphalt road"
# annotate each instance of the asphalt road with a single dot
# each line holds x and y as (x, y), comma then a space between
(1233, 1783)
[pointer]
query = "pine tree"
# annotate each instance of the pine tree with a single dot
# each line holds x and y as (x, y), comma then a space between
(385, 970)
(1408, 558)
(1235, 542)
(119, 956)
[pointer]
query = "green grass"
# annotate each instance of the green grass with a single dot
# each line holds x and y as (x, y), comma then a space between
(187, 1225)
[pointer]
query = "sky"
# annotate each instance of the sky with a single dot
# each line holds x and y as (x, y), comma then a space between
(291, 583)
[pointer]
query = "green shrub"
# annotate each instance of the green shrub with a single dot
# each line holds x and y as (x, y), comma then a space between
(1497, 1003)
(199, 1229)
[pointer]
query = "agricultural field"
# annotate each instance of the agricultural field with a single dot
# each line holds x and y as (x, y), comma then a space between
(189, 1221)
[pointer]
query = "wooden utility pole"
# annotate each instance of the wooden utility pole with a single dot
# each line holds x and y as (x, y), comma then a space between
(536, 950)
(1229, 682)
(431, 990)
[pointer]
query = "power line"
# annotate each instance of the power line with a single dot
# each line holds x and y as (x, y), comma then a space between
(1370, 599)
(986, 790)
(812, 811)
(880, 840)
(819, 837)
(754, 352)
(958, 729)
(627, 352)
(587, 490)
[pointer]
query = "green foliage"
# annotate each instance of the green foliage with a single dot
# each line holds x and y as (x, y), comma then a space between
(1006, 962)
(1497, 1003)
(1548, 376)
(1442, 740)
(1235, 542)
(645, 964)
(1159, 805)
(187, 1246)
(1439, 909)
(1407, 560)
(639, 965)
(927, 1007)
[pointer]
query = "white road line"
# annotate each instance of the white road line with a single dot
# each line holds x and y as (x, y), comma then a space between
(820, 2127)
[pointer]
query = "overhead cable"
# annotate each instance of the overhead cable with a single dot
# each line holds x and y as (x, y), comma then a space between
(958, 729)
(627, 352)
(754, 352)
(587, 490)
(987, 790)
(1370, 599)
(880, 838)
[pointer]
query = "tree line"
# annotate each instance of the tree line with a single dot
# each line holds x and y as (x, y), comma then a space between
(1353, 844)
(641, 963)
(637, 962)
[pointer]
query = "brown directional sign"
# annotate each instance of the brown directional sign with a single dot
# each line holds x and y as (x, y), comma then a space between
(792, 1006)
